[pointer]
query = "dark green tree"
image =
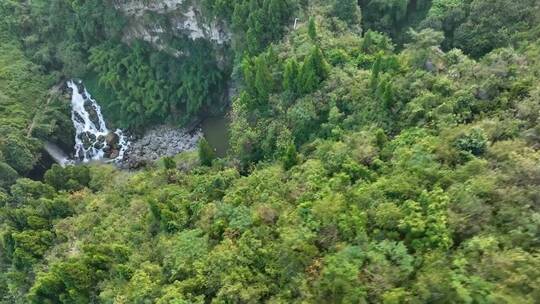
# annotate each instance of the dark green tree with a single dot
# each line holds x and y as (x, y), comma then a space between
(312, 29)
(8, 176)
(291, 76)
(313, 71)
(473, 142)
(347, 10)
(263, 79)
(206, 152)
(169, 163)
(375, 71)
(70, 178)
(290, 156)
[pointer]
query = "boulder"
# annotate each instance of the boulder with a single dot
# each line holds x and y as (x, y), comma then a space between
(112, 139)
(87, 139)
(92, 113)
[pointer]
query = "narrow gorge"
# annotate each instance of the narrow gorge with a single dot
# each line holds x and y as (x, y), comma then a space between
(174, 29)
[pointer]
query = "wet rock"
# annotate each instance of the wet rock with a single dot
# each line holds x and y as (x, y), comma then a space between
(98, 145)
(78, 117)
(87, 139)
(113, 154)
(92, 113)
(112, 140)
(100, 142)
(80, 155)
(93, 139)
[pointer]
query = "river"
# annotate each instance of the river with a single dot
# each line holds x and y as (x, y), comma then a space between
(95, 142)
(216, 132)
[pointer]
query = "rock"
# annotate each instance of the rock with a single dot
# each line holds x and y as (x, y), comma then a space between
(80, 155)
(88, 139)
(98, 145)
(159, 142)
(92, 113)
(185, 19)
(100, 142)
(114, 154)
(78, 118)
(112, 139)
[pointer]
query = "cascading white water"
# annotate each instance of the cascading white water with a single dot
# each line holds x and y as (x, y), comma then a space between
(93, 141)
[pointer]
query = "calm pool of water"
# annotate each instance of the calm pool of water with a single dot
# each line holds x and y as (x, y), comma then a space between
(216, 131)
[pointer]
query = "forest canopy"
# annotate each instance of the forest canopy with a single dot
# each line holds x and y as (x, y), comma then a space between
(381, 151)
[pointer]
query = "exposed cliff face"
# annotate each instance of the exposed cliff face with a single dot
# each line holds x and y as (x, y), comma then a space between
(152, 20)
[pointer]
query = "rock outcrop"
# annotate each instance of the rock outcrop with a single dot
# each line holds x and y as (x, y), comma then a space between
(182, 18)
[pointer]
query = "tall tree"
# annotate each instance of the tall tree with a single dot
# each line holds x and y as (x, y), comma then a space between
(347, 10)
(206, 152)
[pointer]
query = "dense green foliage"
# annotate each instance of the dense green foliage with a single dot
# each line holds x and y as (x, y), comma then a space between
(74, 39)
(206, 153)
(28, 111)
(478, 27)
(394, 17)
(359, 172)
(255, 23)
(151, 86)
(474, 26)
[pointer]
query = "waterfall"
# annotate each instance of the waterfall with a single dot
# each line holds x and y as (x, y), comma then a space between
(56, 153)
(93, 141)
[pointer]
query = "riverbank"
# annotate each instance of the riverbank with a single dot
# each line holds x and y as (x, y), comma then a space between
(95, 142)
(159, 142)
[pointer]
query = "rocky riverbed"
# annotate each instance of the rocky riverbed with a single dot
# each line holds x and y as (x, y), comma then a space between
(95, 142)
(159, 142)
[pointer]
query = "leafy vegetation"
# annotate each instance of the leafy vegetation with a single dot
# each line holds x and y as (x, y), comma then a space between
(359, 172)
(76, 39)
(256, 23)
(28, 110)
(152, 86)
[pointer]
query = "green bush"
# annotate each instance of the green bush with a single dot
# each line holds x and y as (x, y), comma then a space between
(8, 176)
(206, 152)
(473, 142)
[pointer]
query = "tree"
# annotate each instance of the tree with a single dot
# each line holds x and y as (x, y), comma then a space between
(169, 163)
(312, 29)
(339, 281)
(8, 176)
(313, 71)
(386, 93)
(70, 178)
(494, 24)
(18, 153)
(474, 142)
(206, 152)
(263, 79)
(425, 223)
(290, 157)
(291, 77)
(150, 86)
(347, 10)
(375, 42)
(424, 46)
(375, 71)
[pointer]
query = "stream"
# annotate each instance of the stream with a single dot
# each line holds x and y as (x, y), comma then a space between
(94, 141)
